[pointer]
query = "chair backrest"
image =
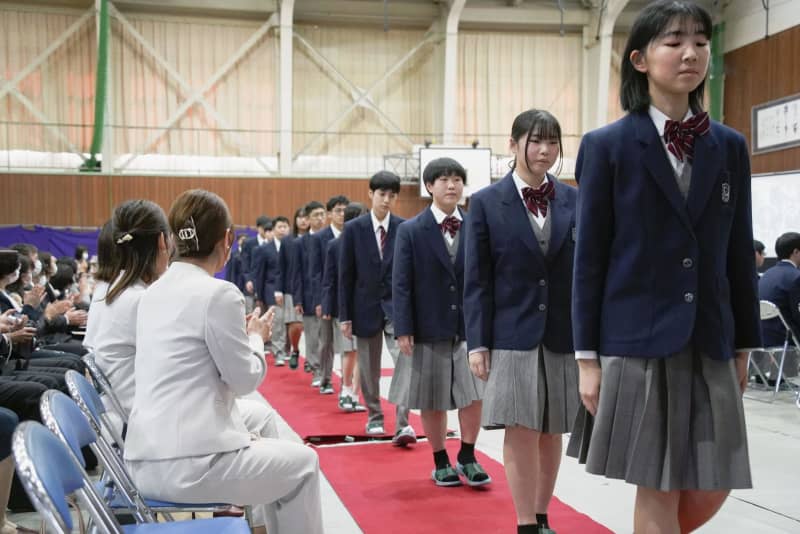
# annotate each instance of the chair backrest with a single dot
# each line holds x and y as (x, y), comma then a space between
(768, 310)
(71, 425)
(50, 474)
(90, 403)
(101, 380)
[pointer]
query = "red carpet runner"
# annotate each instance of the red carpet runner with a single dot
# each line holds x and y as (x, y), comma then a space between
(388, 490)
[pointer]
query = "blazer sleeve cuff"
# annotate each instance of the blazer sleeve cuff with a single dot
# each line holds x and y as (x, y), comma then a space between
(585, 354)
(478, 349)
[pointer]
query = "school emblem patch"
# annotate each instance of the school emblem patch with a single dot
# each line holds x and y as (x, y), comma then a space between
(726, 192)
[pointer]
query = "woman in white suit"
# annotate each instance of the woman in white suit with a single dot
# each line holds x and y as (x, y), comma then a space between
(187, 440)
(138, 236)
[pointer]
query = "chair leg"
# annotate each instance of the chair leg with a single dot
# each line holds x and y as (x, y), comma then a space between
(780, 371)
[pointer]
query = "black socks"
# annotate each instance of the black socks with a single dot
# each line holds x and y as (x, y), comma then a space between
(467, 453)
(542, 520)
(528, 529)
(440, 459)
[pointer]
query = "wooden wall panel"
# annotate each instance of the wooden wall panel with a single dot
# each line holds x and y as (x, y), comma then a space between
(88, 199)
(758, 73)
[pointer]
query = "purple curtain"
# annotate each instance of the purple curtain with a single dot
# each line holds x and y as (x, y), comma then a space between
(62, 241)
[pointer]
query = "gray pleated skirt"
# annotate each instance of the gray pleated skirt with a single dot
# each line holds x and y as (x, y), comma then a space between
(537, 389)
(438, 378)
(673, 423)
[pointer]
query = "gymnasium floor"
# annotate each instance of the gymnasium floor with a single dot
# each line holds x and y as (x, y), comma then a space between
(773, 507)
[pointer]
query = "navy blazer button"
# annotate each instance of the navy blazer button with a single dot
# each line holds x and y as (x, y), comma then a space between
(542, 307)
(542, 282)
(689, 297)
(452, 288)
(453, 307)
(688, 263)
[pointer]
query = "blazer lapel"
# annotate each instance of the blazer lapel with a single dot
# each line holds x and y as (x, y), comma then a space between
(388, 251)
(436, 240)
(705, 172)
(370, 240)
(655, 159)
(559, 219)
(516, 215)
(459, 266)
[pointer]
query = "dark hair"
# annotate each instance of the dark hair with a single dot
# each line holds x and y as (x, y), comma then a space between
(46, 258)
(651, 22)
(25, 266)
(443, 167)
(67, 260)
(758, 246)
(280, 218)
(537, 123)
(106, 258)
(301, 212)
(64, 277)
(386, 181)
(353, 210)
(262, 221)
(25, 249)
(311, 206)
(199, 219)
(80, 250)
(137, 227)
(786, 244)
(9, 261)
(338, 200)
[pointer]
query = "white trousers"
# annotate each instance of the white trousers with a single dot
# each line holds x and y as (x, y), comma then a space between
(259, 418)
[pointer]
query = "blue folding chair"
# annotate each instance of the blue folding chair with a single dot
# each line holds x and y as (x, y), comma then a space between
(50, 475)
(110, 456)
(103, 385)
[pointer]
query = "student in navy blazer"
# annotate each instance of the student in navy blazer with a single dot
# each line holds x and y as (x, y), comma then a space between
(335, 214)
(266, 272)
(517, 290)
(780, 285)
(427, 295)
(246, 255)
(348, 396)
(665, 283)
(305, 281)
(365, 296)
(233, 271)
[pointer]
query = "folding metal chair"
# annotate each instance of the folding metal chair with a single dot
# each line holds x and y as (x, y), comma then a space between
(93, 409)
(103, 384)
(51, 475)
(769, 311)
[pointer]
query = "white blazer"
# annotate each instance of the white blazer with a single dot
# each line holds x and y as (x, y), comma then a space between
(193, 358)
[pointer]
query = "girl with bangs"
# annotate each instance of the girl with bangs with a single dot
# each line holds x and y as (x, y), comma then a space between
(517, 290)
(665, 307)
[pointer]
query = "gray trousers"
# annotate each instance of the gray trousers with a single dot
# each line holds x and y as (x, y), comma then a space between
(325, 350)
(311, 326)
(369, 369)
(279, 334)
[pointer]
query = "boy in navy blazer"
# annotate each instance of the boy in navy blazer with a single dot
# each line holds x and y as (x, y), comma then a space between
(780, 285)
(335, 213)
(303, 285)
(427, 296)
(248, 247)
(348, 396)
(365, 296)
(280, 230)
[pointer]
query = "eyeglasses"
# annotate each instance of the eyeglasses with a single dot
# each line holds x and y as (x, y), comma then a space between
(338, 210)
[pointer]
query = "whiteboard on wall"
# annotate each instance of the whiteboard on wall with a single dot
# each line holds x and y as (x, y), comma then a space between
(776, 207)
(476, 161)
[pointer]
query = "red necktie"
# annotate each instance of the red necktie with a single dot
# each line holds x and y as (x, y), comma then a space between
(679, 136)
(536, 199)
(450, 224)
(383, 239)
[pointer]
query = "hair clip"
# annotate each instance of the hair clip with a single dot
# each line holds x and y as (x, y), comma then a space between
(124, 239)
(189, 232)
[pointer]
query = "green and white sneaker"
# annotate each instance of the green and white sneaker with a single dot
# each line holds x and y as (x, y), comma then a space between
(445, 477)
(474, 474)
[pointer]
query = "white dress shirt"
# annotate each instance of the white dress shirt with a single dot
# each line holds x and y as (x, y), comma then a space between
(111, 333)
(336, 231)
(376, 225)
(440, 216)
(193, 358)
(539, 218)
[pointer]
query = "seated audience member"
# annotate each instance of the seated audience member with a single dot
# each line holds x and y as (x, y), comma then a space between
(758, 248)
(82, 258)
(141, 240)
(780, 285)
(195, 354)
(106, 271)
